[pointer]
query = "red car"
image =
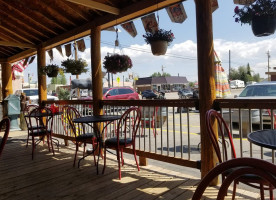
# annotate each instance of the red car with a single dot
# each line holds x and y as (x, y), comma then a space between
(120, 93)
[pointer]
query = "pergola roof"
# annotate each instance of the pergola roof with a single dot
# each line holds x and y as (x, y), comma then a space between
(27, 24)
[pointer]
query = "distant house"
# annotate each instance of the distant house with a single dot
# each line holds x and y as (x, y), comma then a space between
(168, 84)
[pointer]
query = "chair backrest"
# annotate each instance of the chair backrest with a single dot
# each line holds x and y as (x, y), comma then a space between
(45, 122)
(5, 126)
(71, 114)
(27, 111)
(236, 168)
(128, 124)
(223, 133)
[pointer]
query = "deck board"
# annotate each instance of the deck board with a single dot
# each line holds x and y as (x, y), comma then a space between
(54, 177)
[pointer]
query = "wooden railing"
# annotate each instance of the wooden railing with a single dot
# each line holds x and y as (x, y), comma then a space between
(166, 132)
(174, 137)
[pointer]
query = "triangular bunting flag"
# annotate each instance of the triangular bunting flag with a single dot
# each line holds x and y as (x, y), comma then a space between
(81, 45)
(31, 60)
(68, 50)
(111, 29)
(177, 13)
(214, 5)
(59, 48)
(150, 23)
(50, 53)
(244, 2)
(26, 61)
(130, 28)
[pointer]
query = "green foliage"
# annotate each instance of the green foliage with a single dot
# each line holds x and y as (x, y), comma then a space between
(243, 73)
(60, 79)
(74, 67)
(158, 74)
(63, 94)
(191, 84)
(258, 8)
(161, 34)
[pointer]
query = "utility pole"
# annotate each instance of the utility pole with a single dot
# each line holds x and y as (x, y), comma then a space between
(229, 64)
(268, 56)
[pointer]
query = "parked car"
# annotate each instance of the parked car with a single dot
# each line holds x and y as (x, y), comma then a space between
(120, 93)
(185, 94)
(265, 90)
(148, 94)
(32, 93)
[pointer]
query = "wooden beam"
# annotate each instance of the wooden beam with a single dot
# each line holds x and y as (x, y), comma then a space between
(15, 34)
(97, 6)
(42, 87)
(15, 44)
(131, 12)
(206, 80)
(6, 79)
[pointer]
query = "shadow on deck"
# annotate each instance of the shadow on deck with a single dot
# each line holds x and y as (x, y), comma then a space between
(53, 177)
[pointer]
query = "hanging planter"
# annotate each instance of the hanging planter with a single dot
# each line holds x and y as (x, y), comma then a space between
(261, 15)
(117, 63)
(51, 70)
(263, 25)
(75, 67)
(159, 41)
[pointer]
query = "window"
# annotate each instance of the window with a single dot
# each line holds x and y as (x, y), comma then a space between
(113, 92)
(125, 91)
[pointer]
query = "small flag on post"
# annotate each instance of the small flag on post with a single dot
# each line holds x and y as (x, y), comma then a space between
(177, 13)
(68, 50)
(81, 45)
(150, 23)
(130, 28)
(50, 53)
(59, 48)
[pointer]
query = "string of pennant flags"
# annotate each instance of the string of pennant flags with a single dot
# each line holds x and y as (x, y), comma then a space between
(176, 13)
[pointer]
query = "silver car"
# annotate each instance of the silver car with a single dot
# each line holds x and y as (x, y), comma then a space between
(264, 90)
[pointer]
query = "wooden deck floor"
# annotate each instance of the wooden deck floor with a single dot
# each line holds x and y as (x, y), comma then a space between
(53, 177)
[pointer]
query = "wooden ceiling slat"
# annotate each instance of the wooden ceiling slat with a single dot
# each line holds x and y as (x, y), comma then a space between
(15, 44)
(17, 13)
(21, 23)
(97, 6)
(3, 52)
(8, 50)
(15, 34)
(58, 16)
(28, 8)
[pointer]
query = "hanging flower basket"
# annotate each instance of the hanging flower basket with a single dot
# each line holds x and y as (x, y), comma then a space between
(51, 70)
(159, 41)
(261, 15)
(117, 63)
(263, 25)
(75, 67)
(159, 47)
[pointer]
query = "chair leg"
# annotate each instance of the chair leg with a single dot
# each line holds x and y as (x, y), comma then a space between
(119, 164)
(52, 145)
(104, 160)
(77, 148)
(122, 157)
(135, 156)
(93, 149)
(271, 192)
(262, 191)
(84, 145)
(234, 189)
(33, 147)
(48, 143)
(28, 139)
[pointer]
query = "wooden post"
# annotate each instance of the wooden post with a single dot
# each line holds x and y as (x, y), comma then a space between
(97, 84)
(42, 87)
(6, 79)
(206, 80)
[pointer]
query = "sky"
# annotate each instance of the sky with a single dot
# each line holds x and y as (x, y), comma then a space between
(181, 56)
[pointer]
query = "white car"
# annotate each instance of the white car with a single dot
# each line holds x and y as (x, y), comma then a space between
(264, 90)
(32, 93)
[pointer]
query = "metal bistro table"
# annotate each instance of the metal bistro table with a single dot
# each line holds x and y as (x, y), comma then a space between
(96, 119)
(263, 138)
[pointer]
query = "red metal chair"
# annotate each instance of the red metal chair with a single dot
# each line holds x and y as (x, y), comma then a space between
(224, 133)
(41, 126)
(149, 119)
(125, 136)
(26, 112)
(274, 115)
(237, 169)
(79, 130)
(5, 126)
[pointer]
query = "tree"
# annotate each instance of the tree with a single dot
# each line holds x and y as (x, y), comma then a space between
(60, 79)
(244, 73)
(63, 94)
(158, 74)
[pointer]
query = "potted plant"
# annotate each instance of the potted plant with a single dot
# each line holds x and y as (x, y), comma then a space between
(74, 67)
(261, 15)
(159, 41)
(117, 63)
(51, 70)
